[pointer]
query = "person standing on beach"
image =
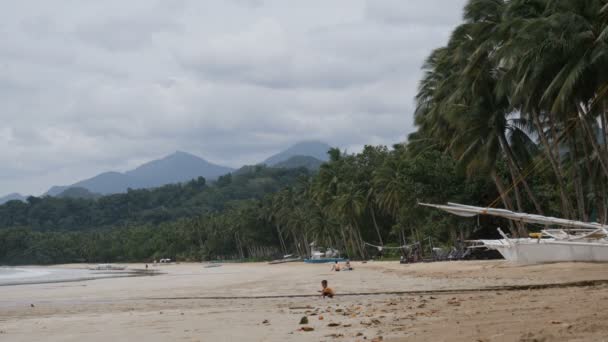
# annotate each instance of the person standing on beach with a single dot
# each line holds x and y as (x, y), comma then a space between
(326, 291)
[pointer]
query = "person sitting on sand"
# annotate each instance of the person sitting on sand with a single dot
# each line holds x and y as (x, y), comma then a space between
(326, 291)
(348, 267)
(336, 267)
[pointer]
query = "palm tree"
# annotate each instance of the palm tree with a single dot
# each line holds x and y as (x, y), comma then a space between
(349, 204)
(459, 91)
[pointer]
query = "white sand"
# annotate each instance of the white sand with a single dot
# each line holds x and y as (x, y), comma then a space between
(177, 305)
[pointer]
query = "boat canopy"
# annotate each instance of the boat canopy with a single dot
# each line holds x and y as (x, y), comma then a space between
(470, 211)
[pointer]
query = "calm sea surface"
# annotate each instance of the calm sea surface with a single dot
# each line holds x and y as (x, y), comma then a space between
(33, 275)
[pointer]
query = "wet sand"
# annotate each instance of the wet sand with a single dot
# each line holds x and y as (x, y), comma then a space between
(452, 301)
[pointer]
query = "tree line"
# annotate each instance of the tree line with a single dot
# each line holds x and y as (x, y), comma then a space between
(258, 214)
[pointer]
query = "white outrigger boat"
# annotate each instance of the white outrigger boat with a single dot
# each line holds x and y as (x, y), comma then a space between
(318, 257)
(576, 241)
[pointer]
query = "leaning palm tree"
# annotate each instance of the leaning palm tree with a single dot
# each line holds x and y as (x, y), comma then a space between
(458, 101)
(349, 204)
(555, 56)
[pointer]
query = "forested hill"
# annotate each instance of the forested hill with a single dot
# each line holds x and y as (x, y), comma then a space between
(146, 206)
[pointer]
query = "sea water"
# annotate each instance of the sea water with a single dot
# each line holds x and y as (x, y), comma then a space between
(19, 273)
(34, 275)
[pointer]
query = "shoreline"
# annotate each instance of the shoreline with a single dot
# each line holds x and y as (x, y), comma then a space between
(52, 274)
(80, 279)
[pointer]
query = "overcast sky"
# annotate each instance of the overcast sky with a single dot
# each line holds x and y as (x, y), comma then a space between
(92, 86)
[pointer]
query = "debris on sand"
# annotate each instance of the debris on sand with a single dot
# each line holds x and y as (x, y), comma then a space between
(304, 320)
(265, 321)
(335, 335)
(300, 307)
(347, 325)
(321, 317)
(307, 328)
(377, 339)
(454, 301)
(333, 325)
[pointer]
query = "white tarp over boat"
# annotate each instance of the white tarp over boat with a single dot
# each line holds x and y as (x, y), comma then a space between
(470, 211)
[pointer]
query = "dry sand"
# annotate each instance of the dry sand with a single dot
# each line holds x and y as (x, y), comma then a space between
(452, 301)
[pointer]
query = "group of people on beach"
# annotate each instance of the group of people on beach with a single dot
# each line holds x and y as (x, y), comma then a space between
(336, 267)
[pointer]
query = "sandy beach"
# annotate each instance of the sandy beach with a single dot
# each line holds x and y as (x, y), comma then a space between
(451, 301)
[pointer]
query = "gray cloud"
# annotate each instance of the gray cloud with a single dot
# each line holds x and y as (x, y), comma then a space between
(87, 87)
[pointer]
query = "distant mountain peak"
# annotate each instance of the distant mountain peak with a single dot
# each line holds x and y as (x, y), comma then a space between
(179, 153)
(12, 197)
(310, 148)
(311, 163)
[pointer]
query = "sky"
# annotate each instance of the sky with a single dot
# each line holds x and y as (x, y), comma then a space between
(91, 86)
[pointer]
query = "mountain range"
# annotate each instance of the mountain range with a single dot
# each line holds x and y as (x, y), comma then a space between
(174, 168)
(179, 167)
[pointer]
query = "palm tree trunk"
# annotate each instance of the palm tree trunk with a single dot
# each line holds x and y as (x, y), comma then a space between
(376, 225)
(305, 239)
(602, 208)
(517, 169)
(521, 230)
(346, 241)
(505, 199)
(593, 139)
(566, 206)
(578, 184)
(297, 245)
(553, 127)
(604, 120)
(358, 240)
(281, 241)
(595, 186)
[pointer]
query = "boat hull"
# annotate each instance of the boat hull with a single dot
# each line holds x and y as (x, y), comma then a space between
(545, 251)
(323, 260)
